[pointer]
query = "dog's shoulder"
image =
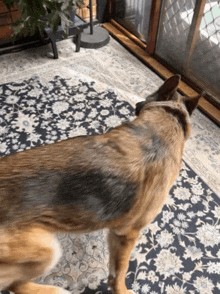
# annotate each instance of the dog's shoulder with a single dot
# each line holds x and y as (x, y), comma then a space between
(151, 143)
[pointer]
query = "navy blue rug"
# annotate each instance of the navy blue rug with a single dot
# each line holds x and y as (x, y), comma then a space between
(179, 253)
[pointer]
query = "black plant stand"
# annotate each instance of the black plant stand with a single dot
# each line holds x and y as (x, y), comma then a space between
(74, 30)
(94, 37)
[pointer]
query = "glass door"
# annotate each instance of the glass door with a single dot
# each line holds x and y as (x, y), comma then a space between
(189, 40)
(134, 15)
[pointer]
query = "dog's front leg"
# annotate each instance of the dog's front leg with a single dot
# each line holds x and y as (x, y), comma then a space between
(120, 247)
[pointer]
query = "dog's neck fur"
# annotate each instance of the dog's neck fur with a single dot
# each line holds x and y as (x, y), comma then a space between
(178, 110)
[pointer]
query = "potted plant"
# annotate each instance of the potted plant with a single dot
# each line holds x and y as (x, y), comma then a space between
(37, 14)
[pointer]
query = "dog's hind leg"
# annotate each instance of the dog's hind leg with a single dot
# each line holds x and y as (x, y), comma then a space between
(120, 247)
(26, 254)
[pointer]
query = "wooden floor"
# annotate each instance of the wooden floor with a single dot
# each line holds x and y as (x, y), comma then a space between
(134, 45)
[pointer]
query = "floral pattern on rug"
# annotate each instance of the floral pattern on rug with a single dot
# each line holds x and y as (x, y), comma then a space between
(33, 113)
(113, 65)
(179, 253)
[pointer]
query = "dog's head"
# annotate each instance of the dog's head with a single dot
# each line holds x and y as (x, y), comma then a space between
(168, 92)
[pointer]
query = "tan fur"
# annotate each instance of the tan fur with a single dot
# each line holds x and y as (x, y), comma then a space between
(145, 154)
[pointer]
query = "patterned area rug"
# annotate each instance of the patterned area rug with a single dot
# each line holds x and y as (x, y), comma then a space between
(114, 66)
(178, 253)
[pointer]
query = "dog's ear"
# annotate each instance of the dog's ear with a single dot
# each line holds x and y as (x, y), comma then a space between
(168, 90)
(191, 103)
(139, 106)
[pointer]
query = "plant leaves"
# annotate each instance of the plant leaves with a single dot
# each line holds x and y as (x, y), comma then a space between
(36, 14)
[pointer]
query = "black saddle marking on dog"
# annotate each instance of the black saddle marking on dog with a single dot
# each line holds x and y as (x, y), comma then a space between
(152, 146)
(105, 194)
(40, 190)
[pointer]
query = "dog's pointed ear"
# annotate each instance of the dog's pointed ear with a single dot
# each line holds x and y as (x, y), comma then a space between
(168, 90)
(191, 103)
(139, 106)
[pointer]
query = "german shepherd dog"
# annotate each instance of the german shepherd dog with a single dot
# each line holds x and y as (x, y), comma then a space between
(117, 180)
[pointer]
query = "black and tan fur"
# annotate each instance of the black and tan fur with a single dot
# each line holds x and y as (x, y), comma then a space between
(117, 180)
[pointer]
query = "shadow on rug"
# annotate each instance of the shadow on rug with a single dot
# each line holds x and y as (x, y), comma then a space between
(178, 253)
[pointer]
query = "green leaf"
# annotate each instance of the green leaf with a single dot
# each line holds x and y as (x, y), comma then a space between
(37, 13)
(9, 3)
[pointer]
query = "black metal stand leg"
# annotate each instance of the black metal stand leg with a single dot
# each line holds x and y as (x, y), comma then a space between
(54, 46)
(78, 41)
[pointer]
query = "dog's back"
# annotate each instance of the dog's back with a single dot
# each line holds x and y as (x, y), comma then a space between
(117, 180)
(102, 177)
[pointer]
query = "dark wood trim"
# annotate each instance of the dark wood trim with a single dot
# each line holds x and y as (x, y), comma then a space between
(194, 31)
(128, 34)
(153, 26)
(161, 70)
(110, 4)
(198, 86)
